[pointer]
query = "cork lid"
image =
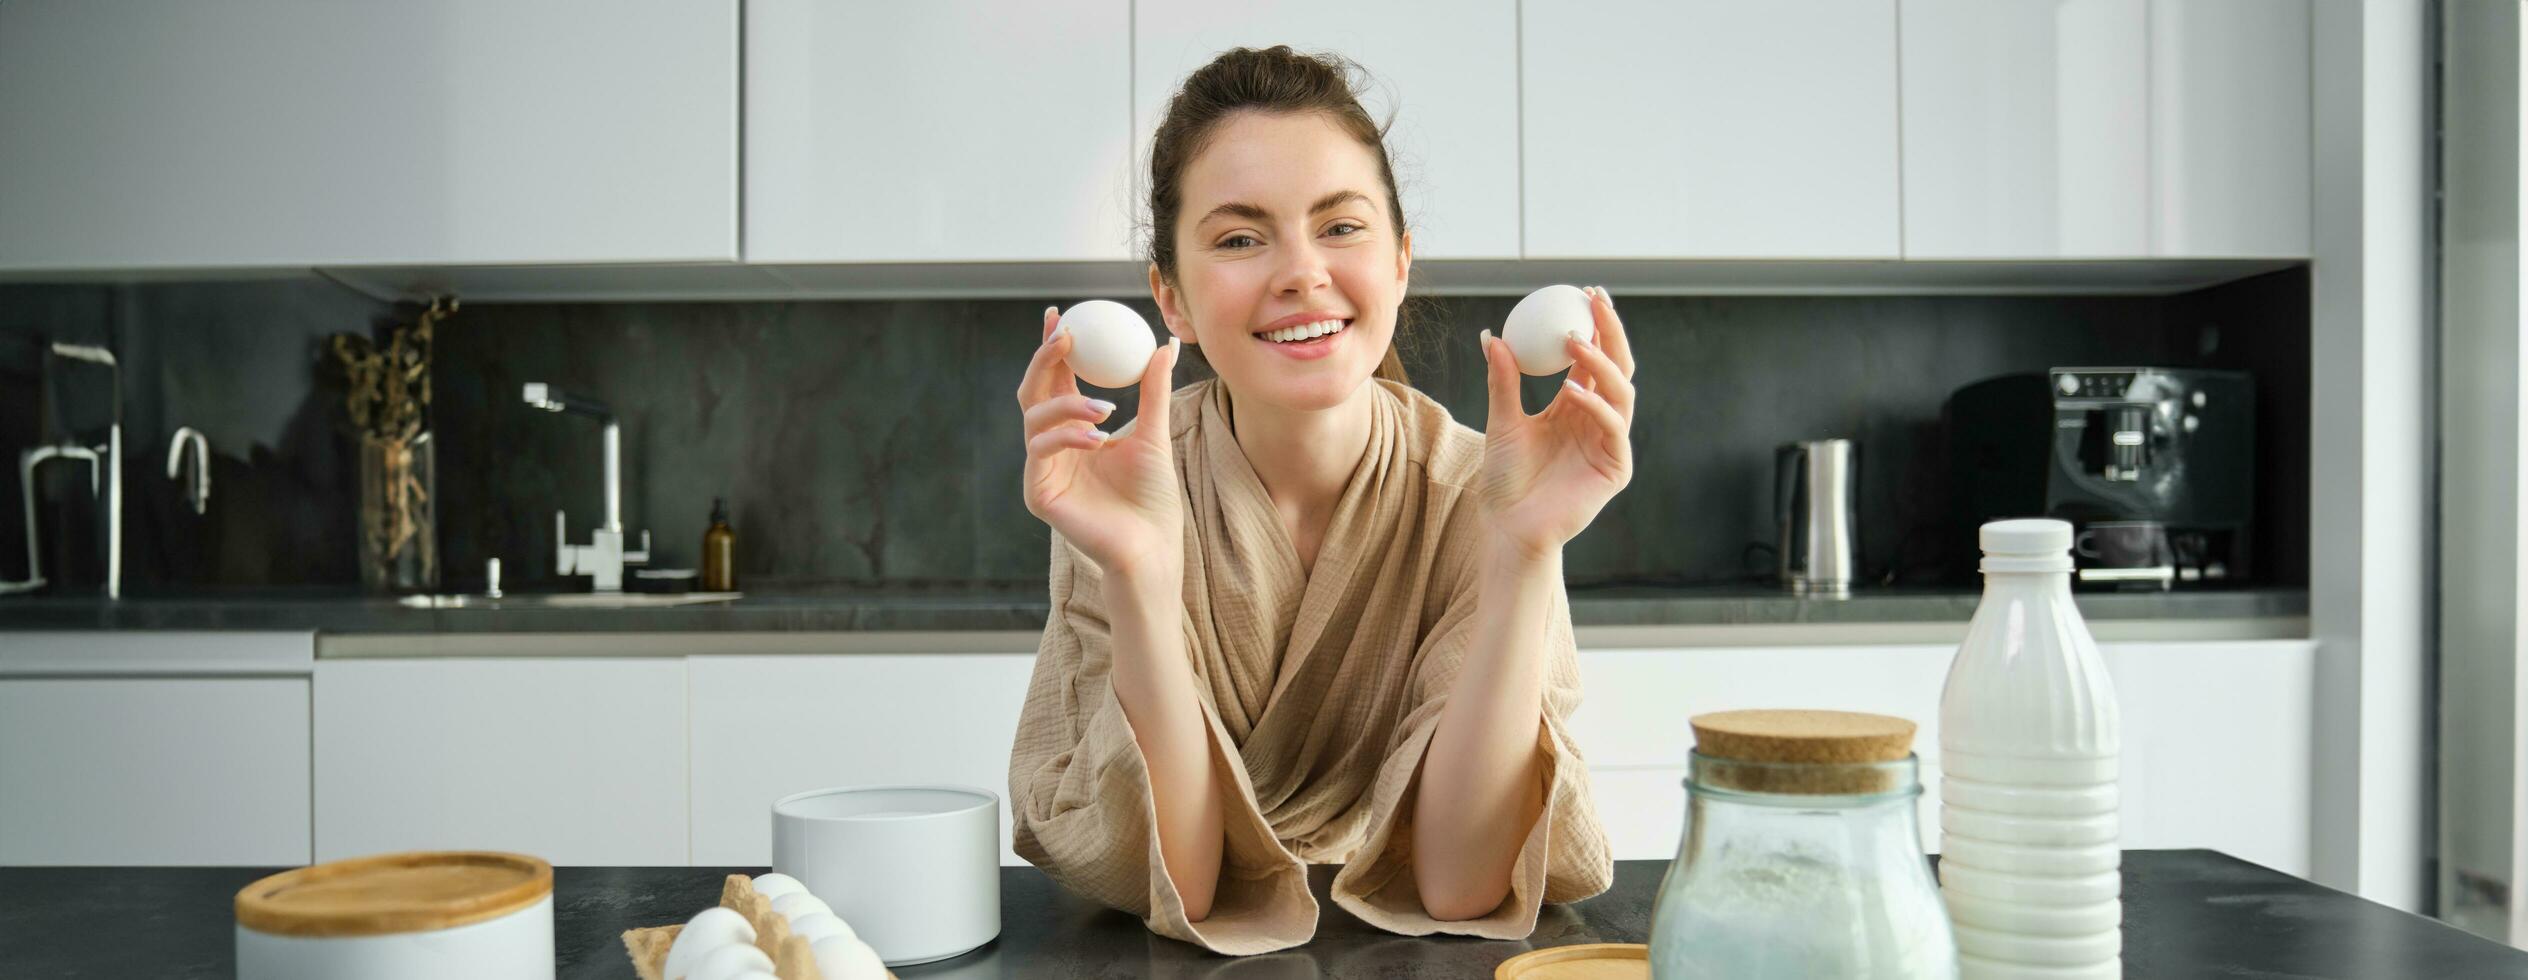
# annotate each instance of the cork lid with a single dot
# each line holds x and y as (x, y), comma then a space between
(394, 893)
(1800, 751)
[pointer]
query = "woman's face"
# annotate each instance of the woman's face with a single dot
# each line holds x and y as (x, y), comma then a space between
(1285, 221)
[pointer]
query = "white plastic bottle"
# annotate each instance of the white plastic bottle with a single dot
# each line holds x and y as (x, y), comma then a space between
(2029, 849)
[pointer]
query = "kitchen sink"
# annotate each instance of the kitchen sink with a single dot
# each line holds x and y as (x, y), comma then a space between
(568, 600)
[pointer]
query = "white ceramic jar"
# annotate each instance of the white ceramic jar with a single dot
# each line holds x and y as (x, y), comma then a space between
(915, 870)
(415, 916)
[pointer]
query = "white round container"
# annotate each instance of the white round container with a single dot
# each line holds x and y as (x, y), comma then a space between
(414, 916)
(915, 870)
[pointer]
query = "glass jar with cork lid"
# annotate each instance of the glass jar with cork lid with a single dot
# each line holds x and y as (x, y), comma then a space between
(1802, 854)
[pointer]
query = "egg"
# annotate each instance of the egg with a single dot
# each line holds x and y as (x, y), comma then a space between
(797, 904)
(1110, 344)
(819, 925)
(776, 884)
(847, 959)
(1536, 328)
(714, 928)
(756, 975)
(728, 963)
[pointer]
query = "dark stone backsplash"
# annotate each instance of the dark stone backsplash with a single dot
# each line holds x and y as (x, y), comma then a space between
(876, 443)
(235, 360)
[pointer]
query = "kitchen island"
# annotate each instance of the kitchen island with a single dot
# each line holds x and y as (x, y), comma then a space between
(2187, 914)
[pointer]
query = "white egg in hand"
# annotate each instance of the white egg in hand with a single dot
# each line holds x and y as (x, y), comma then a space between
(713, 928)
(1536, 328)
(1110, 344)
(729, 963)
(775, 884)
(797, 905)
(847, 959)
(819, 926)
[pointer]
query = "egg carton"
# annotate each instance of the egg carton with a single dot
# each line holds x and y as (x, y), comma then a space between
(790, 955)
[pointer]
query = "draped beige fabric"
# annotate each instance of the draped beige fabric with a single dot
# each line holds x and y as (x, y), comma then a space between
(1321, 691)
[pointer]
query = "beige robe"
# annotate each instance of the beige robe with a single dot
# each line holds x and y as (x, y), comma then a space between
(1321, 691)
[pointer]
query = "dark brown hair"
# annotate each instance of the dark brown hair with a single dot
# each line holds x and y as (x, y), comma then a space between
(1272, 80)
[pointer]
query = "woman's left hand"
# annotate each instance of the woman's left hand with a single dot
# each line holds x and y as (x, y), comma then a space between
(1546, 476)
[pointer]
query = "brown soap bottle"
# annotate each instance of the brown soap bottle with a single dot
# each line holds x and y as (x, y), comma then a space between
(719, 550)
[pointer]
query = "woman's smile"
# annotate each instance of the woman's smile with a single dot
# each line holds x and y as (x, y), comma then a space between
(1305, 336)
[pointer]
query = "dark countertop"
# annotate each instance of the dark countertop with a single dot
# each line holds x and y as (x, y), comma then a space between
(1024, 608)
(2187, 914)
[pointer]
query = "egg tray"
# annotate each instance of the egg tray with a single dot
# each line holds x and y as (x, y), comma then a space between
(791, 958)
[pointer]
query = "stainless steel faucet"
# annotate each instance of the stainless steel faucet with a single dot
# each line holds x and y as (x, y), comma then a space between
(108, 458)
(28, 462)
(199, 494)
(603, 558)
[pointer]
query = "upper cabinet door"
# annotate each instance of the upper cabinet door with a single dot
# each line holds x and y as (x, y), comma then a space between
(1710, 129)
(954, 131)
(2026, 129)
(2230, 144)
(275, 133)
(1448, 71)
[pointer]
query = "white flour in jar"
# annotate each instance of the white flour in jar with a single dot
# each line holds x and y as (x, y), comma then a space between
(1777, 914)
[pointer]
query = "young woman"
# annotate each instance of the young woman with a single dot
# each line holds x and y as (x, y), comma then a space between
(1299, 615)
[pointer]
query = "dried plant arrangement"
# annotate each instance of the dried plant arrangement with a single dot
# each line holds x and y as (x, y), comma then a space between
(386, 394)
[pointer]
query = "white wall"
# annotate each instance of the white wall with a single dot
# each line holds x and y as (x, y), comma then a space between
(2482, 473)
(2370, 468)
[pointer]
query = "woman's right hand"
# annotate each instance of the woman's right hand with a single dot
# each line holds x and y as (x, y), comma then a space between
(1114, 498)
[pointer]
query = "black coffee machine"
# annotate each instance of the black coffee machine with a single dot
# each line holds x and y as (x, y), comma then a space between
(2153, 467)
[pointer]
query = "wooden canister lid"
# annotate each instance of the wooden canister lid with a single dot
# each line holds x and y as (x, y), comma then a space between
(1594, 961)
(1800, 751)
(389, 894)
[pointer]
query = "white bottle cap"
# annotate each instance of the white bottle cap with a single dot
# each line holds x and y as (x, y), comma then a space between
(2027, 536)
(2030, 544)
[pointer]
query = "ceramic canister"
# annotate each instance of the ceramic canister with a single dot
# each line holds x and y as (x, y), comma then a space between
(915, 870)
(476, 914)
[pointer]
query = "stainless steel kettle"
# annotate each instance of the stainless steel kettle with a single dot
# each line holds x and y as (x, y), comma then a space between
(1813, 516)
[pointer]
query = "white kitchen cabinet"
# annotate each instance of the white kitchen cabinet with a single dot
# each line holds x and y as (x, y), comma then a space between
(154, 747)
(1447, 71)
(2217, 735)
(2026, 128)
(1710, 129)
(573, 760)
(154, 770)
(1642, 809)
(270, 133)
(938, 132)
(2218, 747)
(765, 727)
(1632, 728)
(2230, 150)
